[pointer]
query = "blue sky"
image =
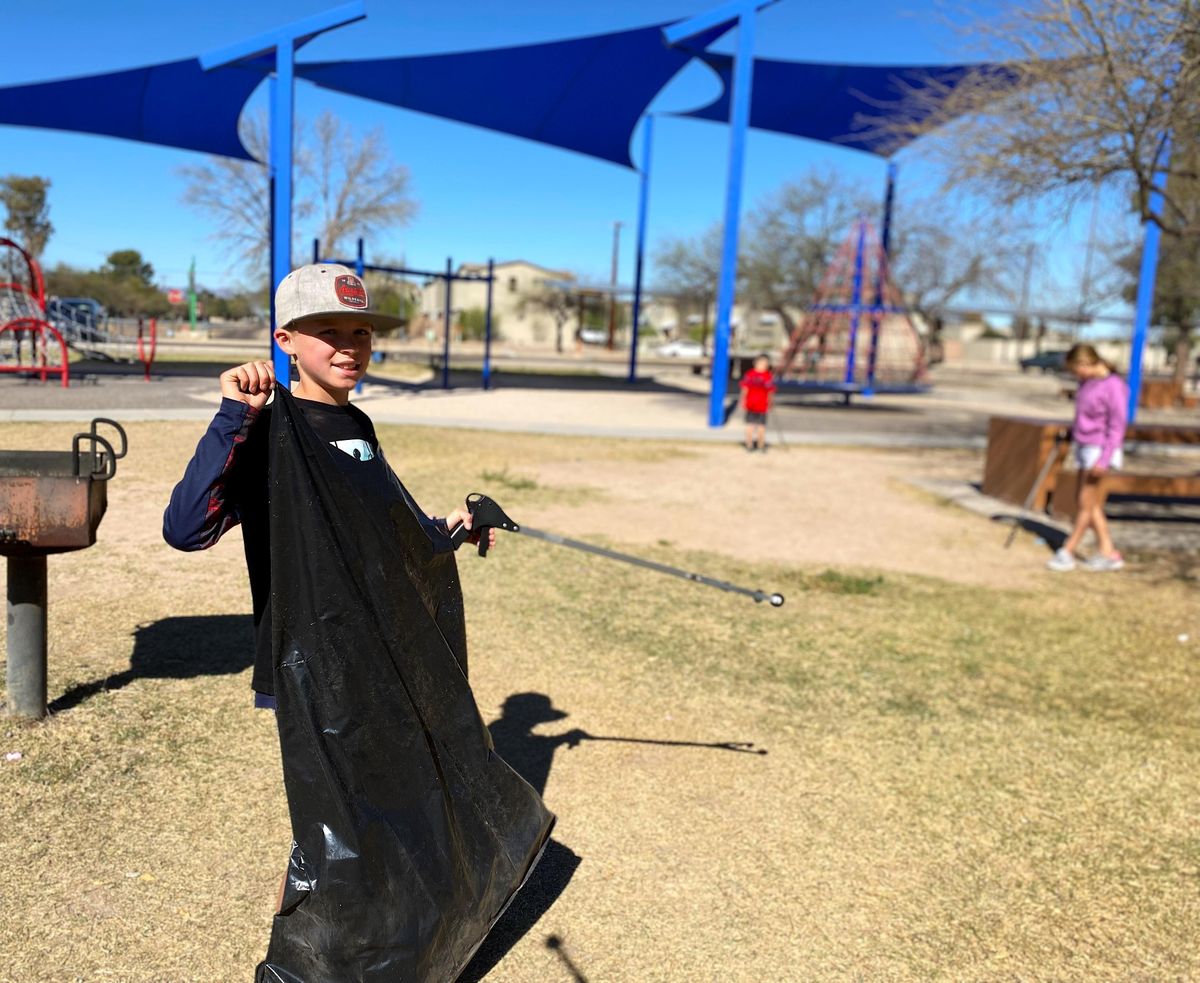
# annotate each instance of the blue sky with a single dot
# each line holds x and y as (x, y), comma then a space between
(480, 194)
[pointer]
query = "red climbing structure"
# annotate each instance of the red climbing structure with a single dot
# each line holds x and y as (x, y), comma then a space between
(23, 321)
(857, 336)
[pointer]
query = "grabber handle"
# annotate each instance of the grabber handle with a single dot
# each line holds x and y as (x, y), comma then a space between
(486, 515)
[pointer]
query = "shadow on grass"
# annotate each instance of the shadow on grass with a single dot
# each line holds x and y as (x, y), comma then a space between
(176, 648)
(1054, 538)
(532, 755)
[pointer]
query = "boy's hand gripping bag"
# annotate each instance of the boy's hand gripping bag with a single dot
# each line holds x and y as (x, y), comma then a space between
(411, 834)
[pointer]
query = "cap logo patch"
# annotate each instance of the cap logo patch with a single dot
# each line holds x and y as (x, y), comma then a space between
(350, 292)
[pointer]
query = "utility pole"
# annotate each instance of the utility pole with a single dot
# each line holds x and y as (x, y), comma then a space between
(1023, 313)
(612, 295)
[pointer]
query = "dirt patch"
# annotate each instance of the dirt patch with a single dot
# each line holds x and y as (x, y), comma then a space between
(803, 506)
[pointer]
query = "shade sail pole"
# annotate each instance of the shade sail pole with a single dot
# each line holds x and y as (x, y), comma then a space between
(743, 81)
(885, 255)
(1147, 275)
(281, 44)
(643, 207)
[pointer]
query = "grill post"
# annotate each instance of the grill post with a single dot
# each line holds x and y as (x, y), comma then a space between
(27, 636)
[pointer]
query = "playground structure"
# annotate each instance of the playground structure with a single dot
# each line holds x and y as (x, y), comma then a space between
(52, 327)
(23, 319)
(448, 276)
(848, 345)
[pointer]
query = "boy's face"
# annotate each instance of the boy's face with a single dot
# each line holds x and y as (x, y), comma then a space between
(761, 364)
(331, 353)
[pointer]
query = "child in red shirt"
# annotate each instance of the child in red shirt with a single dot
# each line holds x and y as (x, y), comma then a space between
(758, 384)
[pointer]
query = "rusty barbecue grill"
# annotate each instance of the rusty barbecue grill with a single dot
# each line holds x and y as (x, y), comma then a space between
(50, 502)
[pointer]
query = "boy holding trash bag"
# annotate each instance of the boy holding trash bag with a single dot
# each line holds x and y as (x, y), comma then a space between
(410, 834)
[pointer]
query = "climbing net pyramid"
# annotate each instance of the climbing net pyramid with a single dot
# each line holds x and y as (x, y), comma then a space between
(857, 336)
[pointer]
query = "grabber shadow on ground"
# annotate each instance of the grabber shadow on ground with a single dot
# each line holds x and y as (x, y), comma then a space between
(1052, 537)
(176, 648)
(532, 756)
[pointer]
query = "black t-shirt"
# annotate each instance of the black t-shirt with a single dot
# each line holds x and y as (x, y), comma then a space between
(346, 427)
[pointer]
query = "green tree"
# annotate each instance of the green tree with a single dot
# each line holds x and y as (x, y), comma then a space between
(473, 322)
(128, 264)
(28, 216)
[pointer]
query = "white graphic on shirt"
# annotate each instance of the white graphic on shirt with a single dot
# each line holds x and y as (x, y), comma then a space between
(358, 449)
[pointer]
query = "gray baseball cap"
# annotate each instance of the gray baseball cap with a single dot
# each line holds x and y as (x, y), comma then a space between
(322, 290)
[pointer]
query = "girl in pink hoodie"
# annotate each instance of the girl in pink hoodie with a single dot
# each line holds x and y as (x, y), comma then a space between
(1098, 432)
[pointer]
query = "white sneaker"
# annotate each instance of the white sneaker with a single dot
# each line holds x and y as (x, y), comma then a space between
(1061, 561)
(1105, 564)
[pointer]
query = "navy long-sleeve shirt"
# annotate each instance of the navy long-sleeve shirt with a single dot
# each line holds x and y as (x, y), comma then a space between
(226, 484)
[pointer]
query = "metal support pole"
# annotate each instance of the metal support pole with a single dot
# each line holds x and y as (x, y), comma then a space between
(743, 81)
(487, 327)
(316, 251)
(282, 114)
(446, 328)
(282, 43)
(1147, 275)
(643, 205)
(885, 243)
(856, 300)
(27, 636)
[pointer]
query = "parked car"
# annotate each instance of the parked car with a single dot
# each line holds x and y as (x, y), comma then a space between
(681, 348)
(593, 336)
(1051, 361)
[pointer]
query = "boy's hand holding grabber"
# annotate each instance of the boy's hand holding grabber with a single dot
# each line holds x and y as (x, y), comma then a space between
(478, 522)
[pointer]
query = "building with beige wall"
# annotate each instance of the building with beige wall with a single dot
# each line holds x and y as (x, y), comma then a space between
(519, 319)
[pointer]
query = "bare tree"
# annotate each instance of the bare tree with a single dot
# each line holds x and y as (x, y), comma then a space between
(351, 184)
(791, 237)
(236, 196)
(941, 248)
(1088, 93)
(560, 302)
(688, 270)
(358, 189)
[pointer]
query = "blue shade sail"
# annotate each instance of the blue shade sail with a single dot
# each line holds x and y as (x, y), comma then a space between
(826, 102)
(584, 94)
(176, 104)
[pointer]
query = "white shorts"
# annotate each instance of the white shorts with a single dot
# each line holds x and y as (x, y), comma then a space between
(1086, 456)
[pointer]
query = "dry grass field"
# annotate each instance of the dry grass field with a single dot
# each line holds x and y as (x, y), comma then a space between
(975, 770)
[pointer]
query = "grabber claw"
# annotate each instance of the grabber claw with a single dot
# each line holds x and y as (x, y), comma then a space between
(486, 515)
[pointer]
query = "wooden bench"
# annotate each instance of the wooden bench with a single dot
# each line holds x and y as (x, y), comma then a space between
(1018, 448)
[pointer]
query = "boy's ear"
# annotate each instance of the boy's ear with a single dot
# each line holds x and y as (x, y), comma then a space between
(284, 338)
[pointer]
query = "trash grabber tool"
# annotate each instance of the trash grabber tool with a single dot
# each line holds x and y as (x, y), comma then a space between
(486, 514)
(1054, 456)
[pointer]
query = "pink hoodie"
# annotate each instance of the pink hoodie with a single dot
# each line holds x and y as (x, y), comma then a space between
(1101, 414)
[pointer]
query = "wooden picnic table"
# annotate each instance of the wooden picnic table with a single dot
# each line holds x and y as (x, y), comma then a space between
(1018, 448)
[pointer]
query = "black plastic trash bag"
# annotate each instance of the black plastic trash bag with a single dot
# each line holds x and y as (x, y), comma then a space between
(411, 834)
